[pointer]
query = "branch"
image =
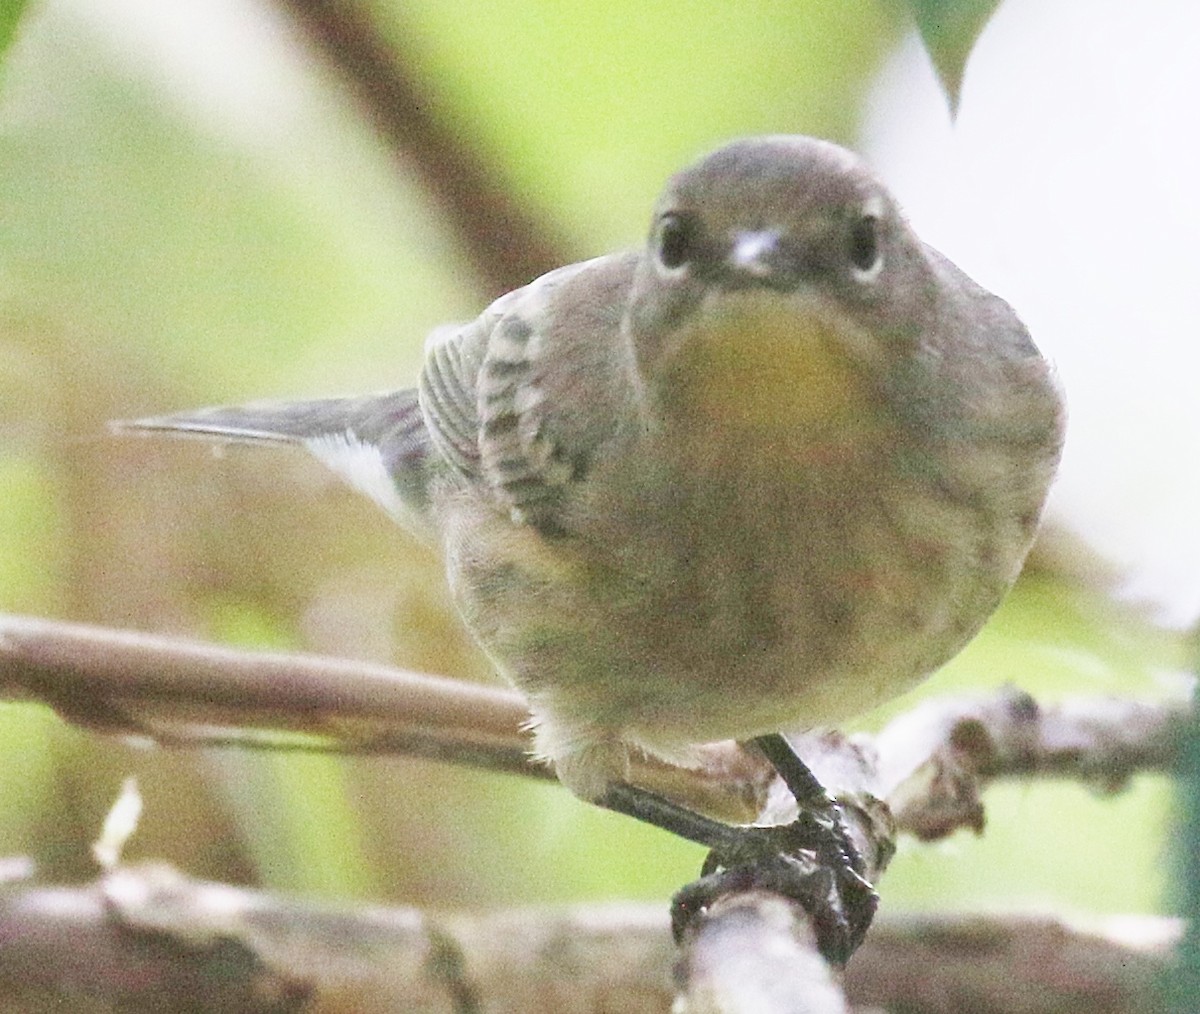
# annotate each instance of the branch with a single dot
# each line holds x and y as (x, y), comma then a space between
(756, 951)
(181, 693)
(506, 244)
(147, 938)
(998, 964)
(931, 765)
(935, 761)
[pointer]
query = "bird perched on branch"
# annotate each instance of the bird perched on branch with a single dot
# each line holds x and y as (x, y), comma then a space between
(764, 472)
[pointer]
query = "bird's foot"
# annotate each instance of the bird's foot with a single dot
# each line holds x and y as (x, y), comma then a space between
(808, 861)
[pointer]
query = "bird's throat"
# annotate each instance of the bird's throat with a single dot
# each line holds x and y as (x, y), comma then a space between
(761, 366)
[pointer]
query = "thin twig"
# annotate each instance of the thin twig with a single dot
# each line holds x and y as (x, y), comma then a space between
(171, 689)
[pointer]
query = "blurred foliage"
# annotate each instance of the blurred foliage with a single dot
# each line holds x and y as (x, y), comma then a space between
(194, 212)
(10, 16)
(1181, 985)
(949, 29)
(589, 107)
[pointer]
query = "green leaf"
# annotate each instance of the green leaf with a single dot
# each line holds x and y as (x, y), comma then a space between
(949, 29)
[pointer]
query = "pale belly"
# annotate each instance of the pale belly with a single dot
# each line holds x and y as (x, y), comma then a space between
(730, 612)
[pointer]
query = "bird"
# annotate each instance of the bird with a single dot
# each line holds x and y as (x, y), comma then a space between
(763, 472)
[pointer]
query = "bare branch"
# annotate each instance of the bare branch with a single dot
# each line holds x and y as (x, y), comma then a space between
(931, 765)
(147, 938)
(999, 964)
(756, 951)
(506, 244)
(177, 692)
(185, 693)
(753, 950)
(935, 761)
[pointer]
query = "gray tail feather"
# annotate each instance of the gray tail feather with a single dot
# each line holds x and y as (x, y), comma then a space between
(371, 419)
(391, 424)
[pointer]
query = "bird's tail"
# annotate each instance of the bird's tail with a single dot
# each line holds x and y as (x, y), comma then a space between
(378, 443)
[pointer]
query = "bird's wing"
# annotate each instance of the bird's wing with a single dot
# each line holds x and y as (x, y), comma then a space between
(377, 443)
(518, 400)
(514, 403)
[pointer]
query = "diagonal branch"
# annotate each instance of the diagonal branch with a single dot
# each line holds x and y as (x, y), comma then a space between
(506, 243)
(179, 692)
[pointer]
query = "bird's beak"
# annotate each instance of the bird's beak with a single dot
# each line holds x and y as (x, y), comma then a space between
(755, 255)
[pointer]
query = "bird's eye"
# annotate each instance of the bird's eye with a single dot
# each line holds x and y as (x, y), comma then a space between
(676, 240)
(864, 244)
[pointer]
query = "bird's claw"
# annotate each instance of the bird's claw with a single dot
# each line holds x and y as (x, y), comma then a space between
(806, 861)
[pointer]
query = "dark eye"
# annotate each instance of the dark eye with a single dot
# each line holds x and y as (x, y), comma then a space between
(864, 243)
(676, 240)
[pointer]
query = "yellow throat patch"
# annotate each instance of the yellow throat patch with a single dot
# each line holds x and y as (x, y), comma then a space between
(761, 362)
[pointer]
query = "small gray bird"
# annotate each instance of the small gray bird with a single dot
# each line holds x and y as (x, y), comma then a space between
(765, 472)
